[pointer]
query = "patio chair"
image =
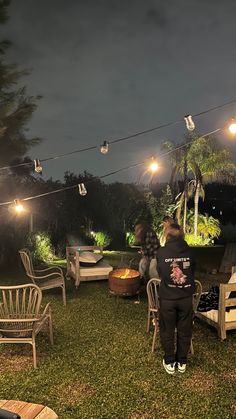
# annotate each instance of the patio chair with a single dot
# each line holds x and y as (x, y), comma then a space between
(20, 317)
(45, 279)
(153, 306)
(196, 299)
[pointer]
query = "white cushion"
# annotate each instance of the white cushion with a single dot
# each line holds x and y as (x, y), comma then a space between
(230, 316)
(102, 268)
(90, 257)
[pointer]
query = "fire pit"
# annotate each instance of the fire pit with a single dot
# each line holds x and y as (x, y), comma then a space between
(124, 282)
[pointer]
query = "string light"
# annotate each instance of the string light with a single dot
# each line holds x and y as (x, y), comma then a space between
(82, 189)
(189, 123)
(104, 148)
(18, 206)
(128, 137)
(232, 126)
(37, 166)
(154, 166)
(114, 172)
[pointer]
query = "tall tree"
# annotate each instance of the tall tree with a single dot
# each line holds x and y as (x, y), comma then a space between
(16, 107)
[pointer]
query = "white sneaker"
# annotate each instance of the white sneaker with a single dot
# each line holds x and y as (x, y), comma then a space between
(181, 367)
(170, 368)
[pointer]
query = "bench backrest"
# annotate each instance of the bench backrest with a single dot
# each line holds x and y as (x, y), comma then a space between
(224, 300)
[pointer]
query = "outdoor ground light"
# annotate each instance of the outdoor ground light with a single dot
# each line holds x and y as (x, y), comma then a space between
(232, 127)
(37, 166)
(82, 189)
(189, 123)
(104, 148)
(18, 206)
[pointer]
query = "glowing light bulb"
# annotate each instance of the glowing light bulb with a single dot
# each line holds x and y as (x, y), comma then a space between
(189, 123)
(154, 166)
(104, 148)
(232, 127)
(82, 189)
(37, 166)
(19, 208)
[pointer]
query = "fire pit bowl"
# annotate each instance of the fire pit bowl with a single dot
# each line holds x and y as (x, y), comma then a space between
(124, 282)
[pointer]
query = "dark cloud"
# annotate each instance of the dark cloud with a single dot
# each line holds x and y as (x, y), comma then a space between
(107, 68)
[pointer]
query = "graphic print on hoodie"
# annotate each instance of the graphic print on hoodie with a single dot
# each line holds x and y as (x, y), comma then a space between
(177, 275)
(175, 267)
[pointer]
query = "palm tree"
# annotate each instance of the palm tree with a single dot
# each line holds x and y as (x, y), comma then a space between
(179, 161)
(207, 162)
(182, 203)
(179, 166)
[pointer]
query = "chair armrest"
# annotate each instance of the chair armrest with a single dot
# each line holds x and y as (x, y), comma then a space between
(53, 274)
(49, 269)
(46, 310)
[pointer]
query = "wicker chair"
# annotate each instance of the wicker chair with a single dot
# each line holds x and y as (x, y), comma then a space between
(153, 306)
(20, 318)
(45, 279)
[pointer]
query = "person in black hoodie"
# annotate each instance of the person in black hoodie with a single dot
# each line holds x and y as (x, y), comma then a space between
(175, 268)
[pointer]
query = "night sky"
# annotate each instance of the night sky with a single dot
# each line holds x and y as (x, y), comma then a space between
(108, 68)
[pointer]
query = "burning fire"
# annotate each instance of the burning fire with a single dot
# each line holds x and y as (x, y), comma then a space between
(126, 274)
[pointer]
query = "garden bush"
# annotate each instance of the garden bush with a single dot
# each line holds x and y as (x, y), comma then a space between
(130, 238)
(197, 241)
(102, 238)
(41, 246)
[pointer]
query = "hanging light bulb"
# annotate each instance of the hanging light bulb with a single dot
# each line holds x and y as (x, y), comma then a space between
(153, 166)
(104, 148)
(82, 189)
(232, 126)
(37, 166)
(189, 123)
(18, 206)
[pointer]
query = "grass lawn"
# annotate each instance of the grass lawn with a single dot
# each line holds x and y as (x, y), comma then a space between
(101, 365)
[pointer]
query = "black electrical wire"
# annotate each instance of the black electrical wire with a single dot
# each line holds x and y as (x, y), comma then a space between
(114, 172)
(121, 139)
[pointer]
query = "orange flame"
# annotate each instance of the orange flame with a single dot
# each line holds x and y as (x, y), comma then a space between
(126, 274)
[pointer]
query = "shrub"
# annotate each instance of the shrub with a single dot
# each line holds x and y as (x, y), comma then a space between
(197, 241)
(41, 246)
(130, 238)
(102, 238)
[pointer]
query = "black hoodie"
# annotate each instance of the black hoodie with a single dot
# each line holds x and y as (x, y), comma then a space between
(175, 267)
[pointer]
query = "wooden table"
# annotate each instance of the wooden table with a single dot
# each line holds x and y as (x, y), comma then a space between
(28, 410)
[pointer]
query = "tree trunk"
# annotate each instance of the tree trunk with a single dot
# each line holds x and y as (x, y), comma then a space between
(185, 213)
(196, 201)
(185, 192)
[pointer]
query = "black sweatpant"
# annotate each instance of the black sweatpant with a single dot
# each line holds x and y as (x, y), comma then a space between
(176, 315)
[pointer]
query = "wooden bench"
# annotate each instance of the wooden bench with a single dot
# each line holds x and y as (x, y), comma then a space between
(28, 410)
(222, 319)
(100, 271)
